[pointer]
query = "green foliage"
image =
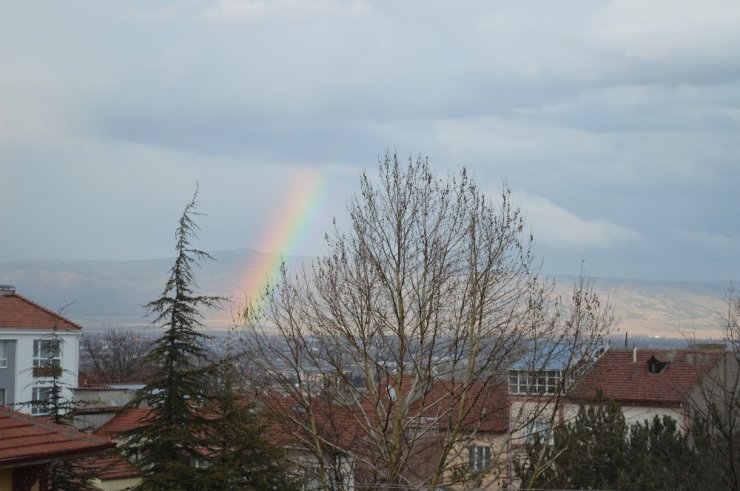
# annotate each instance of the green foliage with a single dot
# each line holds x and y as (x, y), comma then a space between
(174, 436)
(595, 452)
(589, 453)
(195, 437)
(240, 456)
(660, 457)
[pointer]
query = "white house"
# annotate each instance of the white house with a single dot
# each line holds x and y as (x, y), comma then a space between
(35, 344)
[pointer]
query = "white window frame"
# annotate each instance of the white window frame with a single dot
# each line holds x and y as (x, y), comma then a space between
(479, 458)
(534, 382)
(38, 394)
(47, 353)
(4, 354)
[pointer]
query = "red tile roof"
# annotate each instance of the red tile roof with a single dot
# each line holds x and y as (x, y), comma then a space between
(123, 421)
(486, 408)
(27, 440)
(622, 380)
(109, 466)
(17, 312)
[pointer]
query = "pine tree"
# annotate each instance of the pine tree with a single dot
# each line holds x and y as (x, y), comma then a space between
(240, 457)
(173, 438)
(661, 458)
(63, 475)
(589, 453)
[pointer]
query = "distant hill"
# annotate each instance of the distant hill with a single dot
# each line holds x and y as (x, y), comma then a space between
(111, 293)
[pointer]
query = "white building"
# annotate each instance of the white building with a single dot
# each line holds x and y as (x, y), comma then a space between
(35, 344)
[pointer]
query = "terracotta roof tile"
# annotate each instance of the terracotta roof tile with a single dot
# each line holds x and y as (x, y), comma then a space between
(109, 466)
(624, 380)
(18, 312)
(25, 439)
(486, 409)
(125, 420)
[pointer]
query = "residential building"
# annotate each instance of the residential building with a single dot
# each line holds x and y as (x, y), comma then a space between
(35, 344)
(649, 382)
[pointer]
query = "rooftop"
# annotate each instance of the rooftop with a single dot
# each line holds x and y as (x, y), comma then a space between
(623, 375)
(27, 440)
(18, 312)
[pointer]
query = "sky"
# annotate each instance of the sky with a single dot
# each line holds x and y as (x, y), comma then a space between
(616, 124)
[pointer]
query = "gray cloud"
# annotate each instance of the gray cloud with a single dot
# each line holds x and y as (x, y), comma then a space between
(618, 119)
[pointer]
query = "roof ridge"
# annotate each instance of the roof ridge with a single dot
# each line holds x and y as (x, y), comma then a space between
(48, 311)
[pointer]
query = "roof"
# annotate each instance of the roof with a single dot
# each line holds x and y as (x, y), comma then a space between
(486, 409)
(548, 356)
(110, 466)
(18, 312)
(126, 420)
(26, 440)
(620, 378)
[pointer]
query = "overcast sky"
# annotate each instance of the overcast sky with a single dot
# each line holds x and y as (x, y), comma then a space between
(616, 124)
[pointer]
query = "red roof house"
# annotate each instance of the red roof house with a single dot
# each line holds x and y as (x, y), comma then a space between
(35, 344)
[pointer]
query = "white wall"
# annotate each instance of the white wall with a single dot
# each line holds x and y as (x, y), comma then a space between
(24, 379)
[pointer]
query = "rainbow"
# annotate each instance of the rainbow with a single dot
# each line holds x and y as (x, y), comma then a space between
(286, 230)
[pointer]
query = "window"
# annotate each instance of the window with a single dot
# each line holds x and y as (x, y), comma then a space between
(543, 382)
(479, 458)
(539, 427)
(46, 353)
(3, 354)
(2, 397)
(40, 400)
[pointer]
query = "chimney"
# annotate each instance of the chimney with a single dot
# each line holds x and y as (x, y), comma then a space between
(634, 355)
(6, 290)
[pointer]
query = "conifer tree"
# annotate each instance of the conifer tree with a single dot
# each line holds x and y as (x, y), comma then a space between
(172, 439)
(588, 453)
(240, 456)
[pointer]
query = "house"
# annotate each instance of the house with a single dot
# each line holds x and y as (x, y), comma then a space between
(539, 382)
(649, 382)
(28, 446)
(35, 345)
(478, 428)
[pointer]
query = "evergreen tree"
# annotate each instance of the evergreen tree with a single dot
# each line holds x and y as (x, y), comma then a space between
(589, 453)
(63, 475)
(594, 452)
(173, 438)
(240, 457)
(660, 458)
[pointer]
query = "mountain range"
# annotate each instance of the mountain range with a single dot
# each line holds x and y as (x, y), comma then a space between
(109, 293)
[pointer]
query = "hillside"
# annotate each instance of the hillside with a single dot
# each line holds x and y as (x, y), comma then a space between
(111, 293)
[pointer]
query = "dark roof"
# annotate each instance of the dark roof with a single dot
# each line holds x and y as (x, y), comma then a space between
(620, 378)
(18, 312)
(27, 440)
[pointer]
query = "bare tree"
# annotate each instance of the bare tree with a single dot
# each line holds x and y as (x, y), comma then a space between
(116, 355)
(715, 403)
(403, 331)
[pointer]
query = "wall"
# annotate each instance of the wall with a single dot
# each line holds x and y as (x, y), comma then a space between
(24, 379)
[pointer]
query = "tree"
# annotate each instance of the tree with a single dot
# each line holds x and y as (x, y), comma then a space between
(715, 404)
(50, 401)
(175, 434)
(432, 282)
(117, 355)
(661, 458)
(587, 453)
(594, 452)
(240, 457)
